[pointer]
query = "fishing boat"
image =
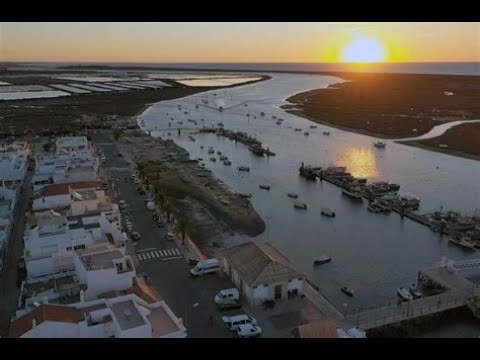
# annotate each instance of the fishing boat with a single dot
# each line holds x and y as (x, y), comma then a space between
(327, 212)
(243, 168)
(352, 194)
(414, 291)
(463, 243)
(292, 195)
(379, 145)
(326, 133)
(227, 163)
(265, 187)
(322, 260)
(348, 291)
(404, 294)
(299, 205)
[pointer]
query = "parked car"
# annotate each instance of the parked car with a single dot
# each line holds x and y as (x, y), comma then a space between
(205, 267)
(226, 295)
(249, 330)
(233, 322)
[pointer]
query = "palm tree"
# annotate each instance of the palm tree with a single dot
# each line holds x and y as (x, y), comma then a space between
(183, 227)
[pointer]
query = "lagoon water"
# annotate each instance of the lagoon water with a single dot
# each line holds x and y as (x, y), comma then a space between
(372, 253)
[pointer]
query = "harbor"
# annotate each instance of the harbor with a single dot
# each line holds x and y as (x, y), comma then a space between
(387, 252)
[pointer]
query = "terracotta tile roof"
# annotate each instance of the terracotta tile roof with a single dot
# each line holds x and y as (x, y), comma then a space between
(59, 189)
(258, 262)
(326, 328)
(45, 312)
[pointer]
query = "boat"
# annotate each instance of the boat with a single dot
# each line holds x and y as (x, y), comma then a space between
(292, 195)
(213, 159)
(243, 168)
(223, 157)
(326, 133)
(379, 145)
(463, 243)
(265, 187)
(299, 205)
(313, 126)
(274, 117)
(220, 124)
(327, 212)
(279, 123)
(219, 153)
(200, 159)
(322, 260)
(297, 129)
(414, 291)
(374, 208)
(211, 151)
(247, 196)
(201, 146)
(352, 194)
(348, 291)
(262, 114)
(306, 133)
(227, 163)
(404, 294)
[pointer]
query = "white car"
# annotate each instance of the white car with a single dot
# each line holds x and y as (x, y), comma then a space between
(249, 330)
(233, 322)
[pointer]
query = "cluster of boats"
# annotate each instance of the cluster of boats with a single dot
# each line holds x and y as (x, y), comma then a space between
(409, 294)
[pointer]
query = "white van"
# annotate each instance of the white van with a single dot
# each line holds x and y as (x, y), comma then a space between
(227, 296)
(233, 322)
(205, 267)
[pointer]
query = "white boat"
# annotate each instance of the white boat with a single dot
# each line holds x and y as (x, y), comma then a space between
(415, 292)
(299, 205)
(322, 260)
(404, 294)
(327, 212)
(379, 144)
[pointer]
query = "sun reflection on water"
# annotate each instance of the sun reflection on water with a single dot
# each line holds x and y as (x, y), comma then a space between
(360, 162)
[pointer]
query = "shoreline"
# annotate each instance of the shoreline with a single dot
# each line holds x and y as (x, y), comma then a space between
(455, 153)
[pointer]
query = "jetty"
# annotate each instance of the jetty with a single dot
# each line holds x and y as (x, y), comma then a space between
(254, 145)
(447, 276)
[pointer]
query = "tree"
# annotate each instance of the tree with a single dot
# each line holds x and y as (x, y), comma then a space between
(183, 226)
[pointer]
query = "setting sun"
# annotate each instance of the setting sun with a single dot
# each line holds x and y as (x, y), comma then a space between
(364, 50)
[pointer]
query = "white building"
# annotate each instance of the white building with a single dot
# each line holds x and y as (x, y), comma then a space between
(14, 160)
(52, 240)
(8, 199)
(123, 316)
(104, 271)
(261, 273)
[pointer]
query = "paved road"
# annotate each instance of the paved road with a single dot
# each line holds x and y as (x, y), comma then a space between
(190, 299)
(9, 291)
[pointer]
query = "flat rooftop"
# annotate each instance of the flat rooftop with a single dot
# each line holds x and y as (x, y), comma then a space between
(102, 260)
(127, 315)
(162, 323)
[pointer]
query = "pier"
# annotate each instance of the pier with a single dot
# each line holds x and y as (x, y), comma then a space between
(447, 275)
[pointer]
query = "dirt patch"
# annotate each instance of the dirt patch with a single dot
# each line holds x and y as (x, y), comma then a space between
(462, 140)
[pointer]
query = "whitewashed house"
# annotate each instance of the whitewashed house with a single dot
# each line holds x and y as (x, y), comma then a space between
(125, 316)
(52, 239)
(262, 273)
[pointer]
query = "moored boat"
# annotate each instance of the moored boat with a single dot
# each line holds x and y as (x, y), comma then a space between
(348, 291)
(327, 212)
(352, 194)
(326, 133)
(463, 243)
(265, 187)
(299, 205)
(415, 292)
(292, 195)
(227, 163)
(243, 168)
(322, 260)
(404, 294)
(379, 144)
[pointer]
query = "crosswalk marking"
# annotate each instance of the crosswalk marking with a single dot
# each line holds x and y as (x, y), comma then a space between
(157, 254)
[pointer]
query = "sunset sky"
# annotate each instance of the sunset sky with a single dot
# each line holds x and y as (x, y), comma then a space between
(240, 42)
